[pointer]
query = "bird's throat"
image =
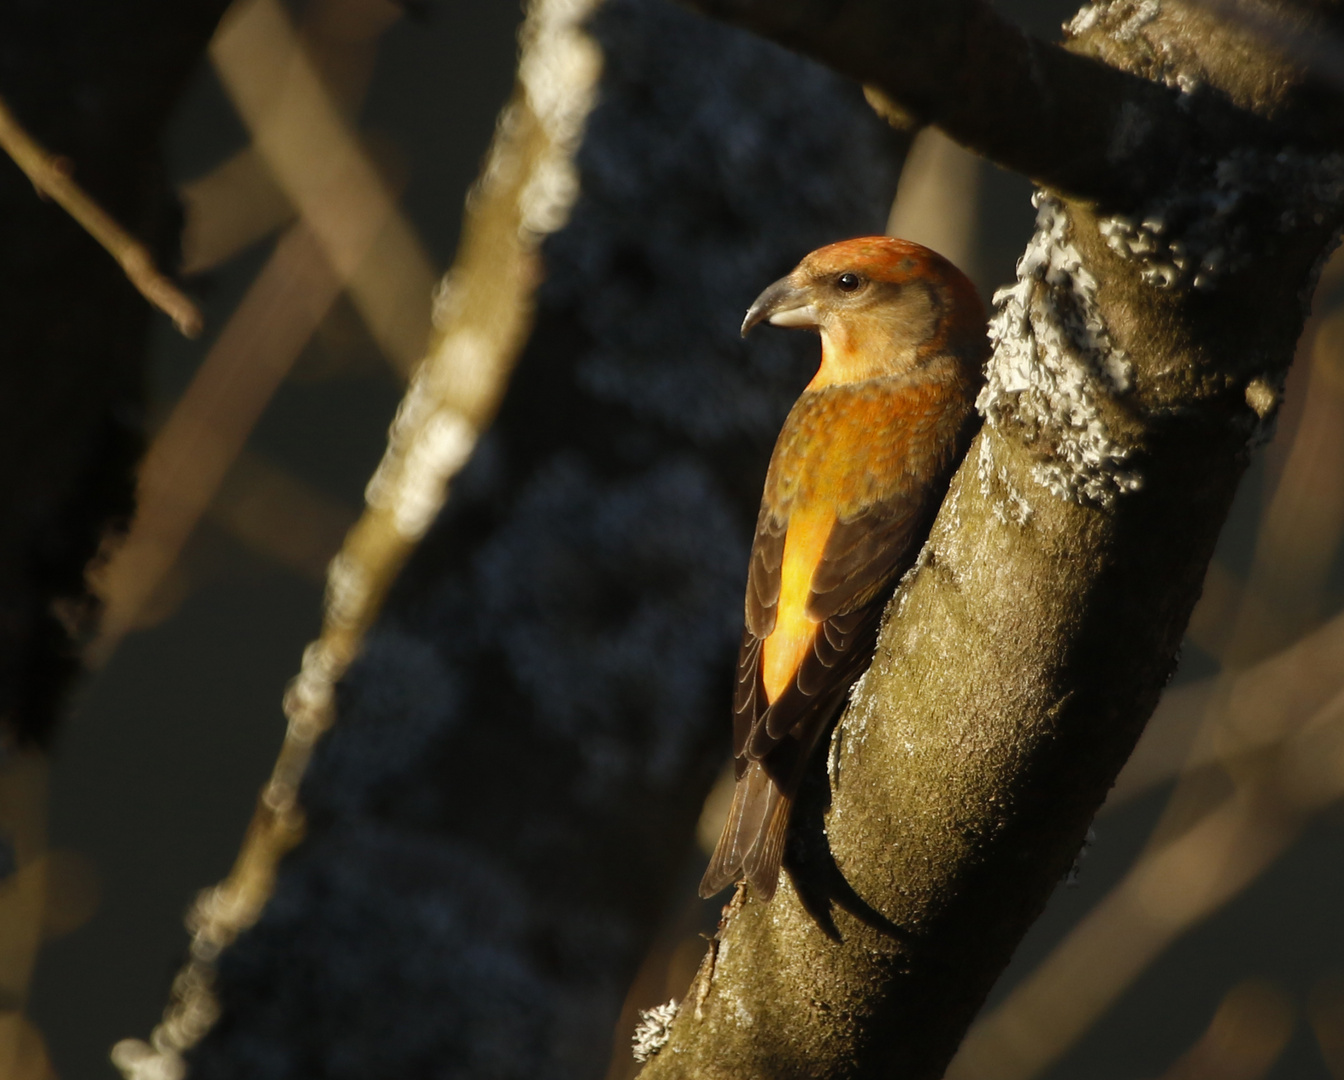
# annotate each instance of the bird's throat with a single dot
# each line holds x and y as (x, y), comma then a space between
(856, 350)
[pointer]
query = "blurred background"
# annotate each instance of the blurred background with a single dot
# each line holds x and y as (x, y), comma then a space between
(1202, 934)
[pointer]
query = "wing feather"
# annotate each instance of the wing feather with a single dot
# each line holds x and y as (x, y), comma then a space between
(748, 695)
(863, 558)
(864, 555)
(763, 573)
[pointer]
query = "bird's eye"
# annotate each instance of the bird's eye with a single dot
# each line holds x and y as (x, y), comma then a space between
(848, 282)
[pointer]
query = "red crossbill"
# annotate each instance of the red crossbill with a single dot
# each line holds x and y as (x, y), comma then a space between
(857, 475)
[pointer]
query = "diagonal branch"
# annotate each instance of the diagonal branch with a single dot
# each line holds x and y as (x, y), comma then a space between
(53, 181)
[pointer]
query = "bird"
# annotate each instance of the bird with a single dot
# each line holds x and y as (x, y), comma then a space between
(858, 472)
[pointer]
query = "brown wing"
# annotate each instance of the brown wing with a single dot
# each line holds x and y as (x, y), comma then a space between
(767, 556)
(865, 554)
(862, 560)
(772, 742)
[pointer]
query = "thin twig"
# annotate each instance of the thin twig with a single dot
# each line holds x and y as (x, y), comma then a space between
(338, 244)
(52, 179)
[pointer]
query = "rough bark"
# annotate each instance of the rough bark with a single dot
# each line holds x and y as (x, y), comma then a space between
(518, 760)
(94, 82)
(1136, 364)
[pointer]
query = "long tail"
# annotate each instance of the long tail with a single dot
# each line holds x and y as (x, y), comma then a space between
(752, 842)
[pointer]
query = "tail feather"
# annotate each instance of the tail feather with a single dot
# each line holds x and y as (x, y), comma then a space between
(763, 860)
(752, 842)
(754, 800)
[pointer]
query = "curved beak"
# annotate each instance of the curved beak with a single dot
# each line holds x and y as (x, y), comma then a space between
(782, 304)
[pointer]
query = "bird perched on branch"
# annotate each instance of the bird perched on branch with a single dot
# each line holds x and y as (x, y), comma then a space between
(857, 475)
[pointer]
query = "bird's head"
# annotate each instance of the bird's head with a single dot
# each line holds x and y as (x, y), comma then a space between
(882, 306)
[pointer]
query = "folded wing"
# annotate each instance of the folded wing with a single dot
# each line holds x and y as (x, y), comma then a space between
(772, 739)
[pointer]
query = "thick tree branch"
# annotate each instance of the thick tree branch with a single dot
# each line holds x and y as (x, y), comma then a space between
(1066, 117)
(1066, 121)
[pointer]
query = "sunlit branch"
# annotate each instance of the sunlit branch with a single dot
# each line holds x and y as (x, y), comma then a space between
(485, 311)
(51, 176)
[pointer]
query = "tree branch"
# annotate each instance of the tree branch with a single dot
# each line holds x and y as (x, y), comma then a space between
(54, 181)
(1068, 122)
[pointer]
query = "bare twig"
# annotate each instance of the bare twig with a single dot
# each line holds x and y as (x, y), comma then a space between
(49, 175)
(1172, 888)
(1253, 712)
(936, 202)
(230, 208)
(278, 515)
(1244, 1039)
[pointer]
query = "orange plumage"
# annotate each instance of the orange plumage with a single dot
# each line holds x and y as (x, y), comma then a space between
(857, 475)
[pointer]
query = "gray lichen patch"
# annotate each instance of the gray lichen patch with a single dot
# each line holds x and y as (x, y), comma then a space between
(1133, 27)
(1054, 363)
(653, 1030)
(1193, 235)
(1262, 397)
